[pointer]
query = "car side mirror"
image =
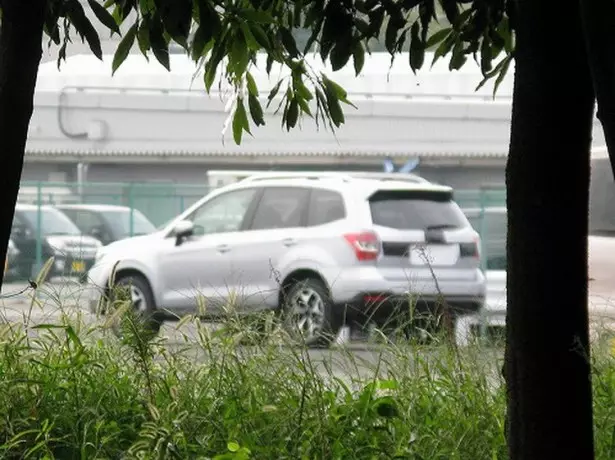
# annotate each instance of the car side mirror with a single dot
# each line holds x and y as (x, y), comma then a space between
(183, 229)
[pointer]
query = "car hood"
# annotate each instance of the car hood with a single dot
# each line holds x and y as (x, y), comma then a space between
(131, 242)
(74, 245)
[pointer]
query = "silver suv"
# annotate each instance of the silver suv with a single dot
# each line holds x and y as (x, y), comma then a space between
(314, 246)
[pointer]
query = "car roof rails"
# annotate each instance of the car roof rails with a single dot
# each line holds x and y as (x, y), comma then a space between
(346, 176)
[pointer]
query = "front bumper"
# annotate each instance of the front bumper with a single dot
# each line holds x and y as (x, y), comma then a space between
(71, 266)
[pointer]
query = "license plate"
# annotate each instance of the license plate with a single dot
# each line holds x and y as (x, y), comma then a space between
(434, 254)
(78, 266)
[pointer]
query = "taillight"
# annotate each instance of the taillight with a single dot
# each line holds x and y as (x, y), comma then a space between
(470, 249)
(366, 245)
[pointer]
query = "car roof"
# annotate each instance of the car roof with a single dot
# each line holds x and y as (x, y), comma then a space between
(342, 181)
(31, 207)
(94, 207)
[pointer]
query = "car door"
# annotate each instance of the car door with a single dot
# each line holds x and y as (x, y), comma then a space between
(200, 266)
(277, 226)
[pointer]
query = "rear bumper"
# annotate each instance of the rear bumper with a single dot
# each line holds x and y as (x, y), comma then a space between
(383, 307)
(348, 285)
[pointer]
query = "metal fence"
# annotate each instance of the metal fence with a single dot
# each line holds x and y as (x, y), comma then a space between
(159, 203)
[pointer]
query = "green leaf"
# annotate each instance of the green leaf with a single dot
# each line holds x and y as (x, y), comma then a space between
(292, 114)
(333, 103)
(232, 446)
(358, 57)
(362, 26)
(104, 16)
(177, 17)
(240, 122)
(123, 48)
(340, 53)
(289, 42)
(502, 74)
(260, 35)
(390, 37)
(458, 57)
(417, 48)
(386, 407)
(211, 66)
(305, 107)
(239, 55)
(335, 89)
(256, 110)
(437, 37)
(160, 46)
(274, 92)
(252, 88)
(249, 37)
(443, 48)
(258, 16)
(301, 89)
(84, 27)
(450, 9)
(202, 36)
(485, 56)
(143, 39)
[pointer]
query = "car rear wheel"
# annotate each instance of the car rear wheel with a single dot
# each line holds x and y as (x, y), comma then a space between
(309, 313)
(142, 302)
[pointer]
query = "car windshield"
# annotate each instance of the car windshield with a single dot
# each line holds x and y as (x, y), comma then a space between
(492, 229)
(119, 220)
(53, 222)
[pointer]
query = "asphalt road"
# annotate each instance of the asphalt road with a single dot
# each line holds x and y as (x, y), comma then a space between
(354, 361)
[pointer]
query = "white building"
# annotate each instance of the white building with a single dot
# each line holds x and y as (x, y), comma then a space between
(145, 124)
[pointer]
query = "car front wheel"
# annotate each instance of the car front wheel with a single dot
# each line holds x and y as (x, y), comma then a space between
(138, 292)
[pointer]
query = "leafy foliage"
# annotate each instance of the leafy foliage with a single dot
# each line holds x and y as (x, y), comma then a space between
(224, 37)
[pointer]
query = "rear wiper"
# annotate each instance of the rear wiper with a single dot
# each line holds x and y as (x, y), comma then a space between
(440, 227)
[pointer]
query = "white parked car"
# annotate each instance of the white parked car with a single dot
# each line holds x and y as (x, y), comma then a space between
(319, 247)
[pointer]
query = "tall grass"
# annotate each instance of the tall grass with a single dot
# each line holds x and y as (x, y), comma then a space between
(73, 390)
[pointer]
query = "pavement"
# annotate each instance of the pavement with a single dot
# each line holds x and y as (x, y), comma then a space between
(19, 302)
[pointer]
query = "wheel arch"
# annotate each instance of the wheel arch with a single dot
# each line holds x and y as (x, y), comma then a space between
(297, 275)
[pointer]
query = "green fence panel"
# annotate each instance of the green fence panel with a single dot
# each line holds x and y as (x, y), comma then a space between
(161, 202)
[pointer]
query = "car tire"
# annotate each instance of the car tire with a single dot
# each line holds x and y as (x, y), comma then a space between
(307, 303)
(143, 303)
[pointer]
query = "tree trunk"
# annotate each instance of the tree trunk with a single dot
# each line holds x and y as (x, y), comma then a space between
(599, 24)
(547, 365)
(21, 38)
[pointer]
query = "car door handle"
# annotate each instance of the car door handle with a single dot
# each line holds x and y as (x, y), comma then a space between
(223, 248)
(289, 242)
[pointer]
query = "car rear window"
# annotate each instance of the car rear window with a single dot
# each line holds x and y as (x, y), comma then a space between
(415, 210)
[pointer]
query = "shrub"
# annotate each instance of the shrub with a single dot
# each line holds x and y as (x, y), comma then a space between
(74, 390)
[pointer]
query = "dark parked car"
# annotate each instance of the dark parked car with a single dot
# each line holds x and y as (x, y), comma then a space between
(74, 253)
(108, 223)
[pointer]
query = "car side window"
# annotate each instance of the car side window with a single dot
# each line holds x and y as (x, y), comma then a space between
(325, 206)
(224, 213)
(281, 207)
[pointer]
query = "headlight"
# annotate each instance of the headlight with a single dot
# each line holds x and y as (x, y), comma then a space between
(58, 249)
